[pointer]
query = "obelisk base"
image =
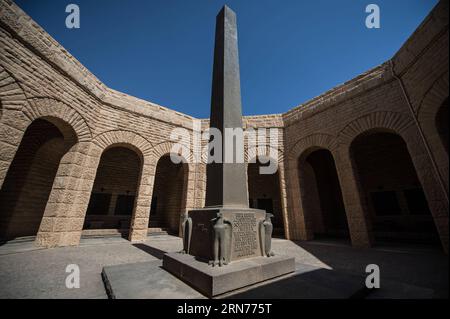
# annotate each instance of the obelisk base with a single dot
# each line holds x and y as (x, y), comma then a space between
(242, 231)
(215, 281)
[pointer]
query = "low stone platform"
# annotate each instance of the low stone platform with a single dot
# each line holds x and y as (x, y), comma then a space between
(214, 281)
(148, 280)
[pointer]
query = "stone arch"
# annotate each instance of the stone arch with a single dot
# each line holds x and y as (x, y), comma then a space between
(427, 112)
(57, 113)
(433, 98)
(165, 148)
(54, 110)
(278, 200)
(108, 139)
(12, 121)
(301, 174)
(393, 194)
(396, 122)
(188, 189)
(12, 96)
(355, 202)
(30, 177)
(17, 117)
(403, 126)
(135, 142)
(71, 192)
(312, 142)
(298, 226)
(17, 114)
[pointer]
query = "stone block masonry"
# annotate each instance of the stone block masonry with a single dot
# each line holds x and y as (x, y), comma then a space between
(41, 82)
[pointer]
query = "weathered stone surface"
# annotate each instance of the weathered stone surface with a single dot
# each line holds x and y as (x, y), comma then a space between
(226, 182)
(244, 229)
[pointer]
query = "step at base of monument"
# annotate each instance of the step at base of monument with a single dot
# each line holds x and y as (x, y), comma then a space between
(215, 281)
(145, 280)
(148, 280)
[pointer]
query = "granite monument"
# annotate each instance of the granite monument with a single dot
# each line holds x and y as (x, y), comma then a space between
(227, 245)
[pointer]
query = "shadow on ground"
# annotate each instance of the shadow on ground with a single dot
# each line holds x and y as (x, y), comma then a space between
(426, 267)
(155, 252)
(309, 283)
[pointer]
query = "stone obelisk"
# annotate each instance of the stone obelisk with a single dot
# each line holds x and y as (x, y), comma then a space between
(226, 182)
(226, 229)
(226, 244)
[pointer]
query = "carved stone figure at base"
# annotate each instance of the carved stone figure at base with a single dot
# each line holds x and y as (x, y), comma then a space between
(186, 233)
(266, 229)
(222, 238)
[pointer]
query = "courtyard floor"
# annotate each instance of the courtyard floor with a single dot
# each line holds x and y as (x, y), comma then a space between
(29, 272)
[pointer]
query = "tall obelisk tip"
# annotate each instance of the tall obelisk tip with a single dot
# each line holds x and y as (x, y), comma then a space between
(226, 10)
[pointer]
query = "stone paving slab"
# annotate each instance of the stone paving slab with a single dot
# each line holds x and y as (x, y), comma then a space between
(145, 280)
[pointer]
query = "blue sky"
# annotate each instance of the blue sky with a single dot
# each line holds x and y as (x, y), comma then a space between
(290, 50)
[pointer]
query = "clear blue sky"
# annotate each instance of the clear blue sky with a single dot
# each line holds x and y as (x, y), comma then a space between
(290, 50)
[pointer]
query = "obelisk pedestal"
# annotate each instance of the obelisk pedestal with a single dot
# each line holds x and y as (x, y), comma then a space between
(227, 245)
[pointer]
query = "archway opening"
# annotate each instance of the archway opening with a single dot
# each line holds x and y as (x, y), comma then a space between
(169, 196)
(114, 192)
(442, 124)
(264, 193)
(322, 196)
(29, 181)
(397, 205)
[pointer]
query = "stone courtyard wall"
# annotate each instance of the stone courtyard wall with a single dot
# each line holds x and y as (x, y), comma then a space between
(375, 101)
(39, 79)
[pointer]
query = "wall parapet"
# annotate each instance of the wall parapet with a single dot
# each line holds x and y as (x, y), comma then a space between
(350, 89)
(41, 43)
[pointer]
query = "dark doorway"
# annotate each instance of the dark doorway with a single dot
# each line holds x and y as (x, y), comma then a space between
(29, 180)
(113, 195)
(397, 204)
(321, 193)
(264, 193)
(169, 195)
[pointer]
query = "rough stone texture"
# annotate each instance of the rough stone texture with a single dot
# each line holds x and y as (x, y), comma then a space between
(39, 79)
